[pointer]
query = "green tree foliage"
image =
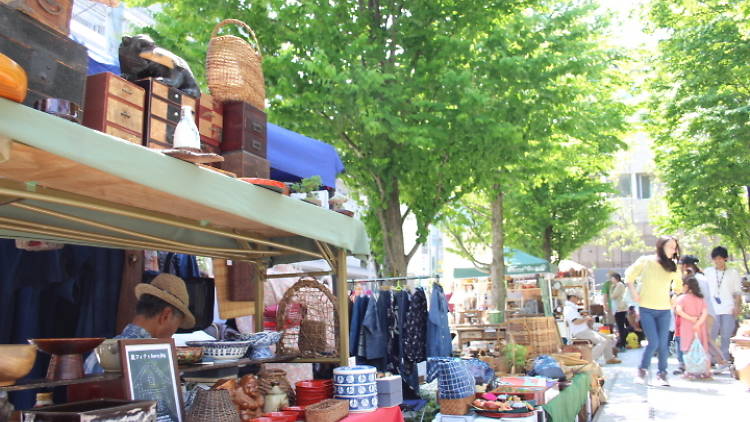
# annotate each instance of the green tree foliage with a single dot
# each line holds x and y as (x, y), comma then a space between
(702, 128)
(549, 85)
(386, 81)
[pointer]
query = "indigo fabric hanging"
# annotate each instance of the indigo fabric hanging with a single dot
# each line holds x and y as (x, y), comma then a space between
(438, 331)
(358, 314)
(375, 334)
(415, 331)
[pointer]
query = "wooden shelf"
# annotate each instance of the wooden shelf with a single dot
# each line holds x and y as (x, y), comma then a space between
(31, 384)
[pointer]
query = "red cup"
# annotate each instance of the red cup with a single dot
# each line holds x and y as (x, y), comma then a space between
(299, 410)
(283, 416)
(264, 419)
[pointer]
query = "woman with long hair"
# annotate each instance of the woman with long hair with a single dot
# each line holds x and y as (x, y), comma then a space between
(658, 274)
(693, 314)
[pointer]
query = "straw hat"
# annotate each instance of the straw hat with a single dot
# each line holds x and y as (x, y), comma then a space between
(172, 290)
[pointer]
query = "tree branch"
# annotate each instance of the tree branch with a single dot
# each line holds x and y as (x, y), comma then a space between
(411, 253)
(467, 254)
(406, 214)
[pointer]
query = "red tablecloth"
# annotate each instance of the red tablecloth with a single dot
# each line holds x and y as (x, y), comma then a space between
(384, 414)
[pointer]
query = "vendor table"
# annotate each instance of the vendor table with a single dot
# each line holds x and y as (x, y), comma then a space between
(384, 414)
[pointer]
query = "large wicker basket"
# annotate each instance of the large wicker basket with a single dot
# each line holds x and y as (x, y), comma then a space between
(213, 406)
(330, 410)
(308, 320)
(455, 406)
(234, 68)
(538, 334)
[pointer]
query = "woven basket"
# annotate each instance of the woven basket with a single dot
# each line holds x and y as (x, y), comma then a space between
(455, 406)
(330, 410)
(308, 305)
(213, 406)
(538, 334)
(234, 68)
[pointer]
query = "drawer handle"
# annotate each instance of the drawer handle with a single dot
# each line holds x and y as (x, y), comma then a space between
(207, 115)
(125, 114)
(215, 129)
(50, 6)
(127, 90)
(257, 145)
(257, 127)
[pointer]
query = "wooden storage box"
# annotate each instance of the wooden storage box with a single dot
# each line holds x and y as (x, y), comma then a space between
(244, 129)
(56, 66)
(94, 410)
(243, 279)
(114, 106)
(53, 13)
(210, 120)
(245, 164)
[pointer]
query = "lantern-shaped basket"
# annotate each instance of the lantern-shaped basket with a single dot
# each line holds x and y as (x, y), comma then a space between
(308, 320)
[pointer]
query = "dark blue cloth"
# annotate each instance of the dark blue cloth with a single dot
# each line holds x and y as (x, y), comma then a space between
(358, 315)
(546, 366)
(296, 155)
(96, 67)
(71, 292)
(375, 340)
(410, 378)
(655, 324)
(438, 331)
(480, 370)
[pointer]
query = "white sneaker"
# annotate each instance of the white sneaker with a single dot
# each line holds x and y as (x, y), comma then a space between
(642, 377)
(720, 369)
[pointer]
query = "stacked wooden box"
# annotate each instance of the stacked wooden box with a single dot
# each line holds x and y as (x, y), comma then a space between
(244, 144)
(114, 106)
(162, 112)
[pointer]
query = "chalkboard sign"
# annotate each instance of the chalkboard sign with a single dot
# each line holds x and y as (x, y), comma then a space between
(149, 369)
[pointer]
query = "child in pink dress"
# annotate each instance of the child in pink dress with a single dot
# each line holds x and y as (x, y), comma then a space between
(693, 313)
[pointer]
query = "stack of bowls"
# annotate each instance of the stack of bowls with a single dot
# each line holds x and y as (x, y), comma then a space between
(357, 384)
(313, 391)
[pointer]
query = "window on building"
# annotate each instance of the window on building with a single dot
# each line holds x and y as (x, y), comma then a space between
(623, 185)
(643, 182)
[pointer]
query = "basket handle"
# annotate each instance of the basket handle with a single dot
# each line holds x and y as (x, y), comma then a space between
(236, 22)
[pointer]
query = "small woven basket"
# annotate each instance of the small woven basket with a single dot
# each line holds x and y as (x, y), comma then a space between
(312, 337)
(330, 410)
(213, 406)
(455, 406)
(234, 68)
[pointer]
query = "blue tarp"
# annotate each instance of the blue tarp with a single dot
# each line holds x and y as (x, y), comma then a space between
(294, 156)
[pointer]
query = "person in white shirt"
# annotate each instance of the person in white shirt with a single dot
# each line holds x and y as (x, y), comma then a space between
(725, 290)
(579, 329)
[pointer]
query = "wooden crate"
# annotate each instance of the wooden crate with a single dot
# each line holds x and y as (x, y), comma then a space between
(538, 334)
(245, 164)
(54, 14)
(56, 66)
(244, 129)
(114, 106)
(210, 120)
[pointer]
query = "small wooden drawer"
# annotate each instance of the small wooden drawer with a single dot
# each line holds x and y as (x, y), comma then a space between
(245, 164)
(123, 134)
(472, 335)
(124, 115)
(127, 91)
(160, 131)
(164, 110)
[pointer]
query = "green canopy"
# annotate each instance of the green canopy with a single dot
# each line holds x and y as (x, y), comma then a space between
(516, 262)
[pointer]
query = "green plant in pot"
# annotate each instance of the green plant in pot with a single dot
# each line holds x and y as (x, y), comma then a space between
(308, 186)
(515, 356)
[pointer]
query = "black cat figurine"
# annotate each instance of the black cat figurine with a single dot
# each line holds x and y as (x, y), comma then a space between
(141, 58)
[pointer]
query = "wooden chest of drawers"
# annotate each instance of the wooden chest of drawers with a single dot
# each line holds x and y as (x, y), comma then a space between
(114, 106)
(245, 164)
(55, 65)
(210, 120)
(162, 108)
(53, 13)
(244, 129)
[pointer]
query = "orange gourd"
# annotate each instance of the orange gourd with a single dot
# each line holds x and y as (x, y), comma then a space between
(13, 80)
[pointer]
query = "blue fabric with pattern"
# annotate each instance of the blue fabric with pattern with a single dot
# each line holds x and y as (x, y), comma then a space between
(455, 380)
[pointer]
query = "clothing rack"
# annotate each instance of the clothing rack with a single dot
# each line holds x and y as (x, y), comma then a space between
(380, 280)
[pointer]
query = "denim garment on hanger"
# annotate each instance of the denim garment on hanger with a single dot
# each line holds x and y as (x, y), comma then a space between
(438, 331)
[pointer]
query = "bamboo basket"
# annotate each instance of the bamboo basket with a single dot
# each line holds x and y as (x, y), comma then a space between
(234, 68)
(455, 406)
(213, 406)
(538, 334)
(330, 410)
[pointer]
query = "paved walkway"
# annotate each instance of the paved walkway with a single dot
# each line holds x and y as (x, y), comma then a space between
(721, 400)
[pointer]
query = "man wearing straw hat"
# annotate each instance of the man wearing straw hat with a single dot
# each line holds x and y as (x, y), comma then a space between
(162, 308)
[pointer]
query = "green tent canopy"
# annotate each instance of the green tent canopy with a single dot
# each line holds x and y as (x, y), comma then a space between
(516, 262)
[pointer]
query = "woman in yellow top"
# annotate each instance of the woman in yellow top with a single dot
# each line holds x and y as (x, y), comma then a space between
(658, 275)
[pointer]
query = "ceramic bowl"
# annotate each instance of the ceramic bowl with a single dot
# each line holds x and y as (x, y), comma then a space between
(66, 346)
(108, 354)
(16, 361)
(187, 355)
(362, 404)
(262, 339)
(221, 350)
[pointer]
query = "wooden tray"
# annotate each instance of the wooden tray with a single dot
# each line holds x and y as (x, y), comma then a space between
(193, 156)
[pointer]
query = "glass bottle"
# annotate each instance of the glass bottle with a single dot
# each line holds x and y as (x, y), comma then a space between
(186, 133)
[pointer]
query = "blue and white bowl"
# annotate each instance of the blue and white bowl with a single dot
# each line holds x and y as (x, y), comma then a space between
(221, 350)
(261, 343)
(361, 374)
(361, 404)
(356, 389)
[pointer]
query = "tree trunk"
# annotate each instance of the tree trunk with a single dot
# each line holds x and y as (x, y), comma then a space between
(547, 245)
(497, 268)
(389, 216)
(744, 260)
